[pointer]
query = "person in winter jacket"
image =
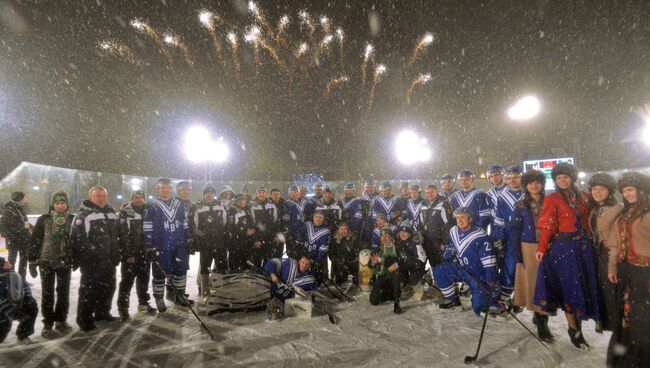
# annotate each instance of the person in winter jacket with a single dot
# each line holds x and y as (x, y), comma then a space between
(16, 304)
(344, 248)
(94, 238)
(15, 227)
(387, 278)
(51, 252)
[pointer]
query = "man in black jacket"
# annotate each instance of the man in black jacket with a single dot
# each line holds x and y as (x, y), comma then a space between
(135, 266)
(343, 252)
(241, 235)
(95, 246)
(412, 259)
(435, 221)
(51, 251)
(16, 229)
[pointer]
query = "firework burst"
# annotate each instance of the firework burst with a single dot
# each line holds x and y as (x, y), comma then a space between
(176, 41)
(425, 41)
(144, 27)
(306, 21)
(368, 53)
(335, 80)
(120, 49)
(380, 70)
(232, 38)
(421, 79)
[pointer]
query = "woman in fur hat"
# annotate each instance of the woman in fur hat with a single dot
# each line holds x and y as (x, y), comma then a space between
(567, 274)
(523, 227)
(630, 342)
(604, 211)
(52, 253)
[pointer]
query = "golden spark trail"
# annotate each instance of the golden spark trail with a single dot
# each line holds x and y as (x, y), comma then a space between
(421, 79)
(367, 55)
(121, 50)
(143, 26)
(426, 40)
(335, 80)
(232, 38)
(379, 71)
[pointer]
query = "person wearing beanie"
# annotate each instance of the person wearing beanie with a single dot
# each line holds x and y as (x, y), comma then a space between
(135, 266)
(267, 225)
(240, 230)
(387, 278)
(412, 260)
(503, 239)
(207, 223)
(51, 252)
(567, 276)
(247, 194)
(628, 346)
(16, 229)
(292, 221)
(469, 196)
(522, 230)
(602, 222)
(381, 224)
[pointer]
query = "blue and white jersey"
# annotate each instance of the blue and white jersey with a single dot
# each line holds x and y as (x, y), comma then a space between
(503, 212)
(19, 289)
(293, 217)
(474, 251)
(165, 225)
(375, 242)
(386, 206)
(352, 213)
(413, 209)
(317, 240)
(477, 201)
(333, 213)
(447, 194)
(369, 199)
(493, 197)
(289, 271)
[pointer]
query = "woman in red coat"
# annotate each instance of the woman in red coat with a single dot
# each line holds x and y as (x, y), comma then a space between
(567, 274)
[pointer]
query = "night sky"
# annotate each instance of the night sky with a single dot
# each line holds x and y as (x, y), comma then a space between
(66, 102)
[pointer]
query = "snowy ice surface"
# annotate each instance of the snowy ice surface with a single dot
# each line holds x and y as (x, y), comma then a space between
(367, 336)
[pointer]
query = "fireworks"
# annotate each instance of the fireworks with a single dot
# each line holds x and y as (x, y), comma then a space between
(283, 23)
(367, 54)
(306, 21)
(421, 79)
(380, 70)
(143, 26)
(334, 81)
(325, 23)
(426, 40)
(175, 41)
(207, 18)
(339, 35)
(302, 49)
(322, 45)
(121, 50)
(232, 38)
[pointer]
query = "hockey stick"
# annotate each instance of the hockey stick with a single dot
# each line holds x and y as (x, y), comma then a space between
(345, 296)
(470, 359)
(487, 291)
(182, 297)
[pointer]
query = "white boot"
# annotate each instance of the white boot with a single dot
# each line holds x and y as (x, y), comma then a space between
(418, 292)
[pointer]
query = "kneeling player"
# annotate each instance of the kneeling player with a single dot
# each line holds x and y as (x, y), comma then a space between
(474, 264)
(287, 274)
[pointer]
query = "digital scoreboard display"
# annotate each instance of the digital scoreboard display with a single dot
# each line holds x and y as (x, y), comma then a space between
(545, 166)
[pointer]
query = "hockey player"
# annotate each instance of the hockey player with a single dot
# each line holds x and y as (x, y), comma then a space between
(247, 194)
(387, 204)
(314, 202)
(495, 175)
(387, 280)
(315, 237)
(94, 238)
(184, 194)
(412, 259)
(165, 236)
(287, 274)
(468, 247)
(366, 202)
(447, 185)
(279, 240)
(343, 251)
(403, 198)
(16, 229)
(292, 222)
(226, 195)
(51, 251)
(504, 244)
(436, 220)
(414, 206)
(241, 234)
(472, 198)
(380, 223)
(351, 207)
(208, 227)
(135, 267)
(16, 304)
(331, 209)
(267, 225)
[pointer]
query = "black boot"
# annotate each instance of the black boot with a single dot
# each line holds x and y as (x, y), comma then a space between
(450, 304)
(577, 338)
(543, 332)
(396, 307)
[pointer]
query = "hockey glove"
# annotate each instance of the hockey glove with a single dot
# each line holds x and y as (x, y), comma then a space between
(152, 255)
(449, 254)
(497, 245)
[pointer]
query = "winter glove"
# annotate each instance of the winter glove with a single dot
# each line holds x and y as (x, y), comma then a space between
(152, 255)
(282, 291)
(33, 269)
(449, 254)
(497, 245)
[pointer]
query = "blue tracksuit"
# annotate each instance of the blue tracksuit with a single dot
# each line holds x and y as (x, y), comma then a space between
(501, 230)
(477, 201)
(289, 272)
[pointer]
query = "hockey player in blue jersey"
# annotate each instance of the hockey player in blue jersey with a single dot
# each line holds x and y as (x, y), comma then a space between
(387, 204)
(315, 237)
(495, 176)
(366, 202)
(287, 274)
(312, 203)
(504, 243)
(468, 247)
(414, 206)
(293, 221)
(380, 223)
(447, 185)
(351, 208)
(165, 236)
(331, 209)
(472, 198)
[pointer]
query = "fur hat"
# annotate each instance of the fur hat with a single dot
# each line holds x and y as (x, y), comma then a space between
(604, 180)
(138, 192)
(60, 196)
(532, 176)
(634, 179)
(565, 168)
(17, 196)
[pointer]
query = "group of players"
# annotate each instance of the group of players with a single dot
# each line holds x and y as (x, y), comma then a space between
(491, 242)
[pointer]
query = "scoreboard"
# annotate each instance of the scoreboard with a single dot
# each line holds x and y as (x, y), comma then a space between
(545, 166)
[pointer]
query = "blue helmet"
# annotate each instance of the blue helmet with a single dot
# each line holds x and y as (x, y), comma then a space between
(463, 211)
(385, 185)
(369, 182)
(493, 169)
(466, 172)
(349, 186)
(514, 169)
(447, 177)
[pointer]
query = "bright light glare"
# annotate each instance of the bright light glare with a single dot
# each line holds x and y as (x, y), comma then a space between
(217, 151)
(205, 17)
(582, 174)
(411, 149)
(199, 147)
(526, 108)
(646, 135)
(136, 184)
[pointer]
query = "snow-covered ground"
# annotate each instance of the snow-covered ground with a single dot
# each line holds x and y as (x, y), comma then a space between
(367, 336)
